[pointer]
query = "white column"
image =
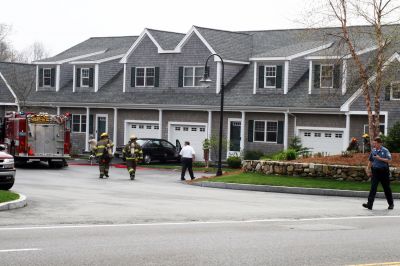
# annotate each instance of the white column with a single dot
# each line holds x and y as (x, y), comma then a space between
(115, 131)
(58, 69)
(386, 114)
(73, 78)
(37, 77)
(344, 77)
(96, 77)
(58, 110)
(347, 132)
(242, 128)
(286, 78)
(209, 124)
(255, 78)
(124, 81)
(286, 131)
(87, 129)
(219, 75)
(160, 121)
(310, 77)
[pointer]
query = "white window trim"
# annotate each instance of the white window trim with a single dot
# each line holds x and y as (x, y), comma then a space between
(44, 69)
(80, 123)
(320, 75)
(88, 77)
(265, 131)
(145, 77)
(193, 76)
(366, 130)
(391, 91)
(265, 76)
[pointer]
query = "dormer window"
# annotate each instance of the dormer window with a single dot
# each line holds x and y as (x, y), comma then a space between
(270, 77)
(84, 77)
(145, 76)
(326, 76)
(192, 76)
(395, 90)
(46, 77)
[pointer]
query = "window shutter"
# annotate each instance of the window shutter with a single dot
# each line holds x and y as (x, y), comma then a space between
(387, 93)
(180, 77)
(280, 132)
(91, 124)
(261, 76)
(133, 76)
(336, 76)
(78, 77)
(91, 77)
(278, 77)
(156, 77)
(317, 69)
(250, 131)
(53, 76)
(40, 77)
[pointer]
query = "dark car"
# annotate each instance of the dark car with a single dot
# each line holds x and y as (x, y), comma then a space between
(7, 169)
(156, 150)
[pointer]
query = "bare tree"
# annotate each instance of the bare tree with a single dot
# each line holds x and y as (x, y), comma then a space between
(376, 13)
(6, 52)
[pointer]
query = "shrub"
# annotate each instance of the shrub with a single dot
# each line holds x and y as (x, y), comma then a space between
(291, 155)
(252, 155)
(199, 164)
(234, 161)
(392, 140)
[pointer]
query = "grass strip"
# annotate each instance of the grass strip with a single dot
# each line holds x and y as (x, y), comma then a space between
(179, 167)
(7, 196)
(292, 181)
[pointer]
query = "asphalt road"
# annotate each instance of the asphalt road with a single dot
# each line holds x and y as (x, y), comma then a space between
(74, 218)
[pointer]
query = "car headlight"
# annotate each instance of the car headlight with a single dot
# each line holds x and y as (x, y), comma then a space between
(8, 160)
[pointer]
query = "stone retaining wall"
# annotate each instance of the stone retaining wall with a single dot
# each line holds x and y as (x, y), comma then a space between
(340, 172)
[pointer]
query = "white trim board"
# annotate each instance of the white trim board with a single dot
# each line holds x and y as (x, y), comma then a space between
(10, 89)
(97, 61)
(59, 62)
(348, 56)
(137, 121)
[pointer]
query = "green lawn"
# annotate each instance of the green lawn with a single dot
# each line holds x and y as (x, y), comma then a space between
(7, 196)
(291, 181)
(179, 166)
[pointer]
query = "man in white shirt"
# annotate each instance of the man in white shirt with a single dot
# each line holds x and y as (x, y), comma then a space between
(187, 156)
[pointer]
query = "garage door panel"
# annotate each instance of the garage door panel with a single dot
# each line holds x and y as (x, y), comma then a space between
(143, 130)
(323, 141)
(195, 134)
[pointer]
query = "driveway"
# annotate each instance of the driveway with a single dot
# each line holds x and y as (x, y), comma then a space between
(75, 195)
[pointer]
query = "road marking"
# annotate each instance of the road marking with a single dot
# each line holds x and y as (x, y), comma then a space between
(196, 223)
(379, 264)
(19, 250)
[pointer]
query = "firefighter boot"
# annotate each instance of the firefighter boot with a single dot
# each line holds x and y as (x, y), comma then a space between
(132, 175)
(106, 174)
(101, 176)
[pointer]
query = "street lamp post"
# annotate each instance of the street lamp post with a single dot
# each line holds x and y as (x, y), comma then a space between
(205, 80)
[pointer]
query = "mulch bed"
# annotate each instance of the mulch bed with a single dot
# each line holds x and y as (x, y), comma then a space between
(356, 159)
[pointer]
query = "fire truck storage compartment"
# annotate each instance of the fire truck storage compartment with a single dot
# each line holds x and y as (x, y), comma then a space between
(46, 139)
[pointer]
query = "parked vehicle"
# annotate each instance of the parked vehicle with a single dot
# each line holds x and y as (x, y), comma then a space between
(156, 150)
(7, 169)
(37, 137)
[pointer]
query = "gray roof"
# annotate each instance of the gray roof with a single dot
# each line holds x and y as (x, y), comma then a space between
(292, 49)
(230, 45)
(111, 45)
(167, 40)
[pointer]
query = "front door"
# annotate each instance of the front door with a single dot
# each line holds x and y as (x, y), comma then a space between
(101, 124)
(234, 138)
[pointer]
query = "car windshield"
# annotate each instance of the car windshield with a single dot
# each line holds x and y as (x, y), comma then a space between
(141, 142)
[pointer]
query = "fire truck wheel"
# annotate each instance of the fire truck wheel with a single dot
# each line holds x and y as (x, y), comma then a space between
(6, 186)
(56, 164)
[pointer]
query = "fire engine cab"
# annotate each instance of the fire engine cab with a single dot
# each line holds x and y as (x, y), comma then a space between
(37, 137)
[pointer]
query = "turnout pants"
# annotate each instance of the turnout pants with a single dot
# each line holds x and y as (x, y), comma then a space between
(131, 166)
(380, 175)
(104, 166)
(187, 164)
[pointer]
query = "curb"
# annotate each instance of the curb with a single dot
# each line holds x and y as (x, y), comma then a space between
(292, 190)
(15, 204)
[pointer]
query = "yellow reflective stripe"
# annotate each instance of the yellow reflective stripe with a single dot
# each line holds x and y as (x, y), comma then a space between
(101, 146)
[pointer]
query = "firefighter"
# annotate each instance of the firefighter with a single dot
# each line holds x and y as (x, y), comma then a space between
(132, 153)
(103, 152)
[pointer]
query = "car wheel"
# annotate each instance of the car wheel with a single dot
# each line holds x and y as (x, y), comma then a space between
(147, 159)
(6, 186)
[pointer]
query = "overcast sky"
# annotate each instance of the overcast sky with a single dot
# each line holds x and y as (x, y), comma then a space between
(59, 24)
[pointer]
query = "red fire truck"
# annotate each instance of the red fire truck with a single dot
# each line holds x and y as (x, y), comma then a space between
(37, 137)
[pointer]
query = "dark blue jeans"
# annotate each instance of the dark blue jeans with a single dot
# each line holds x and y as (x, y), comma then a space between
(187, 164)
(381, 175)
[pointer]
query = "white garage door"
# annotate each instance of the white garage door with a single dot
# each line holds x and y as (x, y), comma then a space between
(193, 133)
(142, 130)
(324, 141)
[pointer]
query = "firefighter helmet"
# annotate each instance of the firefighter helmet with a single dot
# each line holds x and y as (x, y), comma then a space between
(132, 137)
(104, 135)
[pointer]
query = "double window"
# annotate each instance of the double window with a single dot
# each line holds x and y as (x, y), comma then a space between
(84, 77)
(46, 77)
(326, 80)
(395, 90)
(270, 77)
(192, 76)
(145, 76)
(266, 131)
